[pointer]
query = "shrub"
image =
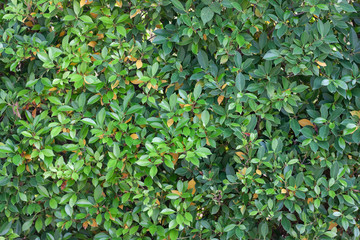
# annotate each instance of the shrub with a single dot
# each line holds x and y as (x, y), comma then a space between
(169, 119)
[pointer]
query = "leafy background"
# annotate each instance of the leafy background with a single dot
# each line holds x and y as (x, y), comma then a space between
(179, 119)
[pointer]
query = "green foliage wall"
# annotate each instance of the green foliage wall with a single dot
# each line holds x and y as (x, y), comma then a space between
(168, 119)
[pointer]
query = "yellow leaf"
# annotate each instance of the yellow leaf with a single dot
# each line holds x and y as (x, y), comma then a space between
(176, 192)
(305, 122)
(114, 97)
(309, 200)
(258, 172)
(191, 185)
(207, 142)
(220, 99)
(92, 44)
(84, 2)
(283, 191)
(170, 122)
(136, 81)
(223, 86)
(240, 155)
(100, 35)
(139, 64)
(115, 84)
(157, 201)
(134, 136)
(52, 89)
(136, 13)
(118, 4)
(321, 63)
(255, 196)
(356, 113)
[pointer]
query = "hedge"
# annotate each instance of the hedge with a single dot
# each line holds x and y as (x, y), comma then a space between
(168, 119)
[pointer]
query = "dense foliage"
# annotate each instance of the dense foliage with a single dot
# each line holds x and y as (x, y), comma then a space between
(168, 119)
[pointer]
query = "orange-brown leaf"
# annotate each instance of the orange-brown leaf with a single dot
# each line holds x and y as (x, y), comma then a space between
(176, 192)
(175, 157)
(305, 122)
(94, 223)
(85, 224)
(332, 225)
(240, 155)
(92, 44)
(84, 2)
(191, 185)
(220, 99)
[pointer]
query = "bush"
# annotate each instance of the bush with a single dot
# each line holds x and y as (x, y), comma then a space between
(169, 119)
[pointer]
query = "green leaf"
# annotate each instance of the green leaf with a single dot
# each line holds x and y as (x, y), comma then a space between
(83, 203)
(206, 14)
(98, 194)
(203, 59)
(43, 191)
(38, 224)
(349, 199)
(272, 55)
(89, 121)
(53, 203)
(178, 5)
(167, 211)
(230, 227)
(26, 226)
(240, 82)
(55, 131)
(205, 117)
